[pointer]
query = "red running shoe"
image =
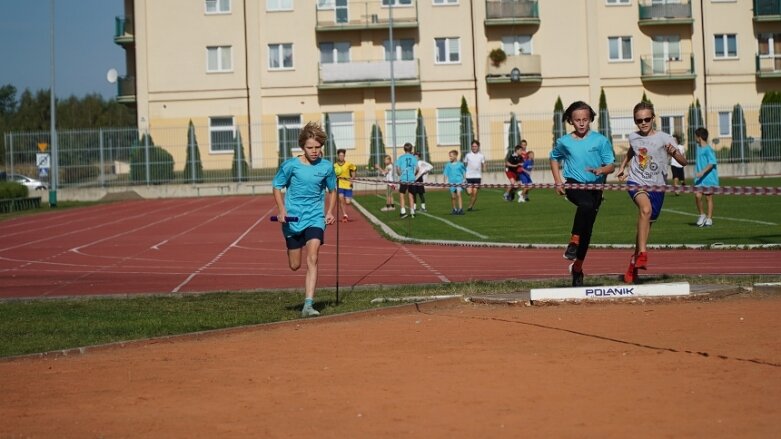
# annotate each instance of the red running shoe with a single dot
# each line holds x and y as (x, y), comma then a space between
(641, 261)
(630, 276)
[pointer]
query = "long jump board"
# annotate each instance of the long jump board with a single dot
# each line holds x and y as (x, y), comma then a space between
(609, 292)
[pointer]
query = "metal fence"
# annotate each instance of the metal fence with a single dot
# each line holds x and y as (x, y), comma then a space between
(224, 152)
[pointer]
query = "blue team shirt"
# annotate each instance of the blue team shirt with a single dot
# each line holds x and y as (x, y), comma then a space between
(705, 157)
(580, 156)
(407, 164)
(305, 184)
(454, 172)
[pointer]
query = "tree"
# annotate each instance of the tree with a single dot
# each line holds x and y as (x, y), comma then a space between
(239, 167)
(7, 100)
(645, 98)
(158, 161)
(466, 129)
(193, 167)
(288, 138)
(694, 119)
(770, 124)
(604, 118)
(739, 137)
(513, 135)
(421, 140)
(377, 150)
(558, 124)
(330, 142)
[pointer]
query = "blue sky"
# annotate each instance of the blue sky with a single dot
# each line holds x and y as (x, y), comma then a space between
(84, 46)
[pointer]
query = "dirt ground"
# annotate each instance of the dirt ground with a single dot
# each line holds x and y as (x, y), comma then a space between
(655, 369)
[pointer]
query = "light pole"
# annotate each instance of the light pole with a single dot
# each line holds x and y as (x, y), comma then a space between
(54, 169)
(392, 78)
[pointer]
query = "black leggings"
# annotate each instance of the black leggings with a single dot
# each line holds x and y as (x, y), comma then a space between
(588, 202)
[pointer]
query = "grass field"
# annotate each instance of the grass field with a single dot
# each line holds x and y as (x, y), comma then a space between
(547, 218)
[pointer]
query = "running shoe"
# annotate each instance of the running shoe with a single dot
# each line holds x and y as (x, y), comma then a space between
(571, 252)
(630, 276)
(701, 220)
(308, 311)
(403, 215)
(708, 222)
(577, 276)
(641, 261)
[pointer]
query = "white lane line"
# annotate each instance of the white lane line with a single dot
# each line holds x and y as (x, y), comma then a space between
(451, 224)
(222, 253)
(425, 264)
(726, 218)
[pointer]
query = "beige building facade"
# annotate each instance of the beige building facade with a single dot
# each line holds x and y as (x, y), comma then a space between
(263, 68)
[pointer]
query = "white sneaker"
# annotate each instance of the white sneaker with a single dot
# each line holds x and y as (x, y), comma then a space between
(708, 223)
(308, 311)
(521, 199)
(701, 220)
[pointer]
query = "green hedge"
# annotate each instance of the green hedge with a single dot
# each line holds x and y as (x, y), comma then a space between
(12, 189)
(161, 165)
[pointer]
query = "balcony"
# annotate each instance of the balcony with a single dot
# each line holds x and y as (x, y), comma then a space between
(123, 30)
(528, 70)
(767, 10)
(126, 90)
(666, 68)
(358, 15)
(769, 66)
(653, 14)
(511, 12)
(363, 74)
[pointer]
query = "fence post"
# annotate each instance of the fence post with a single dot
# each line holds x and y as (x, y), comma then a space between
(102, 164)
(192, 153)
(146, 157)
(238, 159)
(11, 149)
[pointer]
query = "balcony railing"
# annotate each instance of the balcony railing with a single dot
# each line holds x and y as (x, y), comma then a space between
(358, 74)
(368, 15)
(666, 68)
(767, 10)
(126, 89)
(528, 70)
(123, 30)
(503, 12)
(665, 13)
(769, 66)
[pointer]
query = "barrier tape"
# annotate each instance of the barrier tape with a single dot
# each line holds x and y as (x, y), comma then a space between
(682, 189)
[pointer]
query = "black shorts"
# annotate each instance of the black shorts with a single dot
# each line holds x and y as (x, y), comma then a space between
(474, 180)
(405, 187)
(300, 239)
(677, 172)
(417, 189)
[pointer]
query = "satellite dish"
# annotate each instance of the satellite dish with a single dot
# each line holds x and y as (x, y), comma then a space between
(111, 76)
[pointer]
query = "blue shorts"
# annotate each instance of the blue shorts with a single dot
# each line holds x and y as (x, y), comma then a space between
(455, 189)
(346, 193)
(300, 239)
(656, 199)
(525, 178)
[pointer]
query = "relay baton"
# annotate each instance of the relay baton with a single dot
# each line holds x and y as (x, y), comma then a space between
(288, 219)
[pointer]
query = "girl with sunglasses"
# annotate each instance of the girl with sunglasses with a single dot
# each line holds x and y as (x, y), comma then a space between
(648, 155)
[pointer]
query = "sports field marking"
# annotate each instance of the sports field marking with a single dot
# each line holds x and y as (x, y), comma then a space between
(425, 264)
(451, 224)
(225, 250)
(726, 218)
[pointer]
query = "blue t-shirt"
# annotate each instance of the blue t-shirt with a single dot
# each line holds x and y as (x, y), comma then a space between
(705, 157)
(407, 164)
(580, 156)
(454, 172)
(305, 184)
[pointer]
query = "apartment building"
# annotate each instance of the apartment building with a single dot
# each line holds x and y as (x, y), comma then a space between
(263, 68)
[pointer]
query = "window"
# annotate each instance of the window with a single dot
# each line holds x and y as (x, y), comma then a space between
(445, 2)
(219, 59)
(280, 56)
(725, 124)
(620, 127)
(332, 53)
(517, 44)
(218, 6)
(405, 127)
(288, 129)
(402, 49)
(725, 45)
(343, 129)
(222, 134)
(671, 124)
(325, 4)
(618, 2)
(396, 2)
(279, 5)
(619, 48)
(448, 50)
(448, 126)
(769, 44)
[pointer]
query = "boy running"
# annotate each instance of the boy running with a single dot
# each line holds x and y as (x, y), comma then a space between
(344, 171)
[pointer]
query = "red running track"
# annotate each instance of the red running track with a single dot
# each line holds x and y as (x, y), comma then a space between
(228, 243)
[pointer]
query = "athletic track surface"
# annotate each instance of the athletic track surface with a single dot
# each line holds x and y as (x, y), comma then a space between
(228, 243)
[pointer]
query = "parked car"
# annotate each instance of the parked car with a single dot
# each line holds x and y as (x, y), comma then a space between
(31, 183)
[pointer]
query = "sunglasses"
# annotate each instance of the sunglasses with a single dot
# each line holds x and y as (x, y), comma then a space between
(646, 120)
